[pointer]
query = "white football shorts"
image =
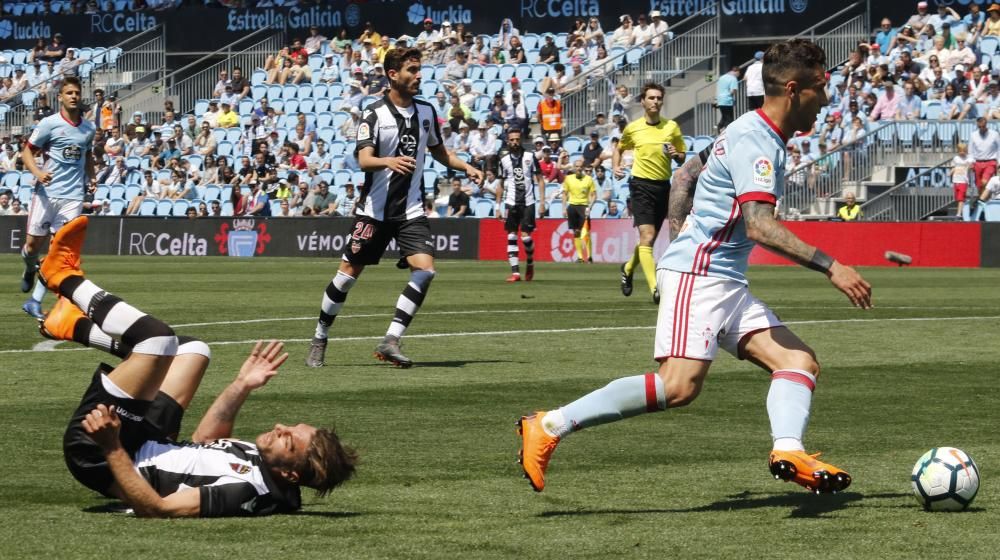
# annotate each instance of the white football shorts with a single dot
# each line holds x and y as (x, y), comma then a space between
(46, 215)
(698, 314)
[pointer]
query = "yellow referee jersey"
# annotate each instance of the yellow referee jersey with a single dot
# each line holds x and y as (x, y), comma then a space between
(578, 190)
(649, 141)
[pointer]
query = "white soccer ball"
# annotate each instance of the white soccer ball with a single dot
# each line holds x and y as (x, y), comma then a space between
(945, 479)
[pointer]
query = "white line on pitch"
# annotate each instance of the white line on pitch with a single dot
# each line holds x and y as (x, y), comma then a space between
(559, 331)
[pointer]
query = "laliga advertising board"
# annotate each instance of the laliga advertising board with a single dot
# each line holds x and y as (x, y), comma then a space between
(613, 240)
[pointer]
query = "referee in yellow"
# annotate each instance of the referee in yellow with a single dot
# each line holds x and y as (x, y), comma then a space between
(579, 194)
(656, 142)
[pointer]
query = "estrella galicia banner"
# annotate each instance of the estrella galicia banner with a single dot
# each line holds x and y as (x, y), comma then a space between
(195, 28)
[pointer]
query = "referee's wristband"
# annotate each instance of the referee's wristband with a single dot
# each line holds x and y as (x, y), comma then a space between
(820, 262)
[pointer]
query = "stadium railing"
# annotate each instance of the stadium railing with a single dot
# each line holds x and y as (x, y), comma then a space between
(911, 200)
(838, 42)
(137, 61)
(814, 188)
(674, 57)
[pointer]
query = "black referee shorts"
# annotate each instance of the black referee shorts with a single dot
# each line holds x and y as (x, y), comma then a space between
(576, 215)
(142, 421)
(370, 237)
(520, 216)
(649, 201)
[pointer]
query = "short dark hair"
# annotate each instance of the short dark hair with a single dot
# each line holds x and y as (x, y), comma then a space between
(651, 85)
(70, 81)
(395, 58)
(790, 60)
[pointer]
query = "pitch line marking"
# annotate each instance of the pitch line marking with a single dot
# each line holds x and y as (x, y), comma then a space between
(551, 331)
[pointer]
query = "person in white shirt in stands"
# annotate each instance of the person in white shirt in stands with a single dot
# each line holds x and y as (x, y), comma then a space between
(483, 147)
(660, 28)
(622, 36)
(755, 81)
(330, 72)
(908, 106)
(315, 40)
(961, 171)
(984, 148)
(642, 34)
(220, 86)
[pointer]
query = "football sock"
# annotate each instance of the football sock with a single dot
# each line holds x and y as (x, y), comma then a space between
(588, 242)
(620, 399)
(39, 291)
(578, 243)
(529, 249)
(788, 403)
(333, 300)
(634, 260)
(409, 301)
(512, 253)
(30, 261)
(648, 266)
(88, 334)
(144, 333)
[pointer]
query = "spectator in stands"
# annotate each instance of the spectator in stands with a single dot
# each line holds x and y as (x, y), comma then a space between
(205, 142)
(356, 92)
(990, 193)
(601, 125)
(507, 30)
(497, 55)
(851, 210)
(315, 40)
(944, 18)
(458, 201)
(906, 39)
(9, 159)
(69, 65)
(319, 158)
(623, 102)
(457, 68)
(228, 118)
(984, 148)
(428, 35)
(962, 54)
(622, 37)
(462, 139)
(933, 81)
(37, 53)
(550, 169)
(949, 102)
(376, 83)
(991, 27)
(467, 96)
(301, 139)
(258, 201)
(483, 147)
(368, 51)
(515, 54)
(549, 52)
(592, 150)
(919, 20)
(992, 101)
(241, 86)
(322, 202)
(55, 50)
(613, 210)
(488, 190)
(961, 173)
(660, 28)
(329, 73)
(300, 72)
(479, 52)
(885, 107)
(220, 86)
(369, 33)
(643, 33)
(457, 112)
(382, 50)
(725, 96)
(939, 50)
(5, 197)
(965, 105)
(349, 129)
(908, 107)
(347, 202)
(885, 35)
(577, 52)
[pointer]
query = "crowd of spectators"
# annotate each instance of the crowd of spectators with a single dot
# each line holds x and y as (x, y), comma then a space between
(39, 70)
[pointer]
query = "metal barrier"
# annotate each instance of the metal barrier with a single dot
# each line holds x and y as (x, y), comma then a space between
(196, 81)
(837, 43)
(908, 201)
(673, 58)
(143, 59)
(812, 189)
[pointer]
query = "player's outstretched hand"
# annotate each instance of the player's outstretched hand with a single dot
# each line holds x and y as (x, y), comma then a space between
(404, 165)
(847, 280)
(262, 364)
(474, 174)
(102, 425)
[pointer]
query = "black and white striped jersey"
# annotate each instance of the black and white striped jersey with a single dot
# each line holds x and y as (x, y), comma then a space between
(229, 473)
(518, 171)
(396, 131)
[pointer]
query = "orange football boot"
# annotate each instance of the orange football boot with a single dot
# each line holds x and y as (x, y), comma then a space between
(536, 449)
(61, 320)
(515, 277)
(808, 471)
(63, 259)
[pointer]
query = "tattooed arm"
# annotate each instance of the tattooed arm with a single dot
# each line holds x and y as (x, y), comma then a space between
(682, 186)
(763, 228)
(256, 371)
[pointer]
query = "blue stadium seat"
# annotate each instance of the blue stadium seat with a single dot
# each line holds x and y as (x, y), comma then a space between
(483, 208)
(258, 77)
(274, 92)
(702, 142)
(474, 71)
(335, 90)
(147, 208)
(227, 208)
(224, 148)
(327, 134)
(11, 180)
(551, 189)
(561, 40)
(531, 102)
(319, 91)
(306, 105)
(555, 209)
(494, 86)
(539, 72)
(507, 71)
(341, 177)
(117, 192)
(304, 91)
(573, 144)
(428, 88)
(291, 106)
(993, 211)
(339, 118)
(439, 72)
(117, 207)
(599, 209)
(946, 133)
(233, 135)
(211, 192)
(245, 106)
(490, 72)
(179, 208)
(321, 105)
(522, 71)
(931, 109)
(988, 45)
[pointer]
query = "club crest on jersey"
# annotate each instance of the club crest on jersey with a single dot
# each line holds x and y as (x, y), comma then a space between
(72, 152)
(240, 469)
(427, 125)
(763, 172)
(364, 131)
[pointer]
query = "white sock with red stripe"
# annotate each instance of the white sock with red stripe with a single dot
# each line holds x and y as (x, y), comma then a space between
(620, 399)
(788, 404)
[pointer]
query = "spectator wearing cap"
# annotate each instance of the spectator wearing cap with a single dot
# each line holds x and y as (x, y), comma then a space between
(592, 149)
(550, 113)
(355, 93)
(550, 169)
(991, 27)
(368, 51)
(349, 129)
(992, 100)
(755, 81)
(467, 95)
(497, 110)
(549, 53)
(884, 36)
(428, 35)
(220, 86)
(212, 114)
(984, 148)
(517, 111)
(885, 107)
(376, 83)
(960, 78)
(448, 137)
(965, 105)
(138, 128)
(622, 37)
(483, 147)
(909, 104)
(920, 19)
(458, 68)
(315, 40)
(228, 97)
(659, 26)
(330, 72)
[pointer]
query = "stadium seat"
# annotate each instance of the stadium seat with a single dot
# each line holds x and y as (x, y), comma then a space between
(338, 147)
(561, 40)
(430, 180)
(702, 142)
(531, 102)
(304, 91)
(529, 86)
(258, 77)
(539, 72)
(341, 177)
(102, 192)
(521, 71)
(555, 209)
(428, 88)
(483, 208)
(224, 148)
(148, 208)
(573, 144)
(233, 135)
(11, 180)
(358, 177)
(551, 189)
(490, 72)
(931, 110)
(117, 207)
(993, 211)
(307, 105)
(321, 106)
(327, 134)
(227, 208)
(599, 209)
(117, 192)
(988, 45)
(439, 72)
(507, 71)
(275, 207)
(474, 72)
(291, 106)
(179, 208)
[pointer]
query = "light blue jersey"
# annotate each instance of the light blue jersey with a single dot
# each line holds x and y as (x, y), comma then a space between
(747, 163)
(65, 146)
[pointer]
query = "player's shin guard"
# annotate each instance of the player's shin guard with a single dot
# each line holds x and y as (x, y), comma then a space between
(145, 334)
(620, 399)
(788, 403)
(529, 248)
(512, 255)
(648, 266)
(30, 260)
(88, 334)
(409, 301)
(333, 300)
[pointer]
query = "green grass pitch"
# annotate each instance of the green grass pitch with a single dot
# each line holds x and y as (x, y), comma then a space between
(439, 477)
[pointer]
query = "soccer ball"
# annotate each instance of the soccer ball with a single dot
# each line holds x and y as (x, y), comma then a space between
(945, 479)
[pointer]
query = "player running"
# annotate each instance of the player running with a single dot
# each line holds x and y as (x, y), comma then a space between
(656, 142)
(579, 194)
(122, 439)
(521, 187)
(394, 136)
(66, 140)
(711, 305)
